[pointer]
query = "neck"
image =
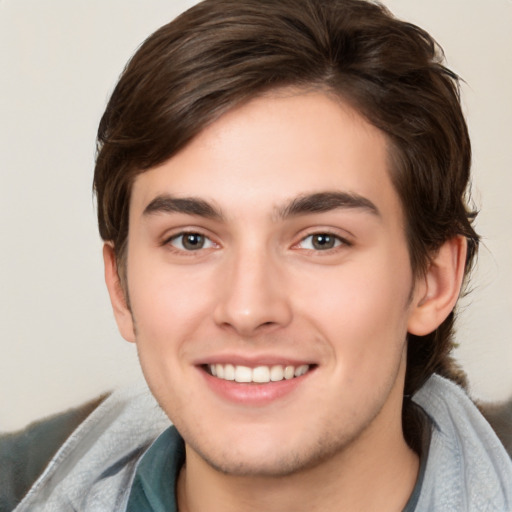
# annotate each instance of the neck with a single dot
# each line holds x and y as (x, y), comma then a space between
(365, 476)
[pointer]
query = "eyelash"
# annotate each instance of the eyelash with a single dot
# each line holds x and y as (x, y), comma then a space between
(337, 241)
(169, 241)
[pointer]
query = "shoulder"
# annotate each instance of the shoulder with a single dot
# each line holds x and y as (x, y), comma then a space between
(499, 416)
(25, 454)
(95, 460)
(468, 467)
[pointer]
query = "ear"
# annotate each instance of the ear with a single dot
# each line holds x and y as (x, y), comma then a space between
(437, 291)
(122, 312)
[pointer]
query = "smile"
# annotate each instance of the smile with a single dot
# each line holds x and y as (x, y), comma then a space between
(259, 374)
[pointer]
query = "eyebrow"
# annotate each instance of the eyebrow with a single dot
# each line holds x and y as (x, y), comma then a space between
(186, 205)
(326, 201)
(309, 203)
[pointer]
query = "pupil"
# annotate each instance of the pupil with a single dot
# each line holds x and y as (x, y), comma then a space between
(323, 242)
(193, 241)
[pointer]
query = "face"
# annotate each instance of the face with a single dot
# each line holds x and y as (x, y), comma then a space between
(270, 286)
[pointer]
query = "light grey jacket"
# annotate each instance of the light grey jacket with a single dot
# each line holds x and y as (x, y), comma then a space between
(467, 470)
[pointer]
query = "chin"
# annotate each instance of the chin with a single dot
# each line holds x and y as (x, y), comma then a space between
(274, 467)
(261, 458)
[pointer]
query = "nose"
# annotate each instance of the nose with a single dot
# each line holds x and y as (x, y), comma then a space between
(253, 296)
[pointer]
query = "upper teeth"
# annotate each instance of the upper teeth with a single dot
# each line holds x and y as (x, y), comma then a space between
(260, 374)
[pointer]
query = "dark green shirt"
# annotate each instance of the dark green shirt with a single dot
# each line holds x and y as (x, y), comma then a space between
(154, 486)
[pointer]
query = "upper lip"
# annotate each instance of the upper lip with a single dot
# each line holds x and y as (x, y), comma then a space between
(253, 361)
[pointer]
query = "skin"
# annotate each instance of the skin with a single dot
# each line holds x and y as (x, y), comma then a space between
(261, 288)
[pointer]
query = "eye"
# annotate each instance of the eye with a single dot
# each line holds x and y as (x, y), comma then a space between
(191, 242)
(321, 242)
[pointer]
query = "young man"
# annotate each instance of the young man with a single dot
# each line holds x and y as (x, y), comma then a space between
(281, 190)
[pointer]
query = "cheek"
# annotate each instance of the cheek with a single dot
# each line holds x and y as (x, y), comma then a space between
(168, 304)
(169, 308)
(361, 309)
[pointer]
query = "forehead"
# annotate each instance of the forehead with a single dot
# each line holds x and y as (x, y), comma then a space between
(273, 149)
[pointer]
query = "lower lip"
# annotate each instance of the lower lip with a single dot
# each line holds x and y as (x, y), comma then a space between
(253, 394)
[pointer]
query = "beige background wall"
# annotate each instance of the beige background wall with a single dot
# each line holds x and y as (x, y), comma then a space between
(58, 62)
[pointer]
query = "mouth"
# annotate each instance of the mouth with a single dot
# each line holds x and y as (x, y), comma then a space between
(258, 374)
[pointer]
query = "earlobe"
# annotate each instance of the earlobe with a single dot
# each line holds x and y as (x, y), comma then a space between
(437, 291)
(121, 310)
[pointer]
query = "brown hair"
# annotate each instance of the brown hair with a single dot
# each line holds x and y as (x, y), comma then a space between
(221, 53)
